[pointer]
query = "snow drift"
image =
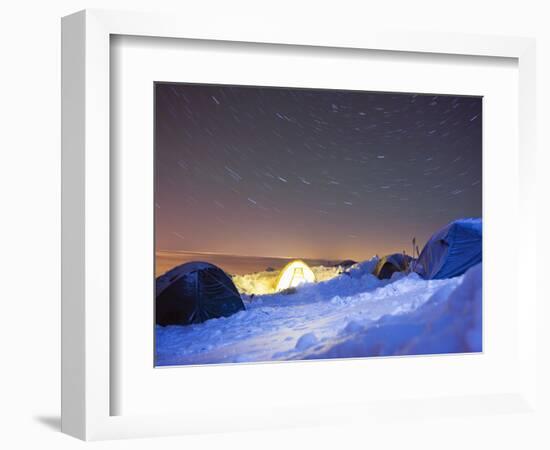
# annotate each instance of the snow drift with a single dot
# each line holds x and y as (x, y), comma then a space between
(261, 283)
(446, 323)
(352, 314)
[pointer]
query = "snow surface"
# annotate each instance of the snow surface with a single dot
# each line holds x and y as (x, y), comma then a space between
(261, 283)
(353, 314)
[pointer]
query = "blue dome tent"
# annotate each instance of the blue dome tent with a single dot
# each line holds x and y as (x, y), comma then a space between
(193, 293)
(451, 251)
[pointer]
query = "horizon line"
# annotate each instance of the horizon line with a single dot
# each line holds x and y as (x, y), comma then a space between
(249, 256)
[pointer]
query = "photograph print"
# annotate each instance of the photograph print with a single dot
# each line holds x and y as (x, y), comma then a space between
(301, 224)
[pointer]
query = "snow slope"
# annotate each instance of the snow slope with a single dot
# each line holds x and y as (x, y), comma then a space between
(446, 323)
(351, 315)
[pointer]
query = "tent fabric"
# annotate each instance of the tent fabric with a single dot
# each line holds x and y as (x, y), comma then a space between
(452, 250)
(193, 293)
(295, 273)
(388, 265)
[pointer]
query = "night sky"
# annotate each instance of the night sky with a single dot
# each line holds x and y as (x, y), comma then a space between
(311, 173)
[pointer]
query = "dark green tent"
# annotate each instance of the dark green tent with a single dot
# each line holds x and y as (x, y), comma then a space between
(389, 264)
(193, 293)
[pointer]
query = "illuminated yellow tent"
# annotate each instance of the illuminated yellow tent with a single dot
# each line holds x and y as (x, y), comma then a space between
(294, 273)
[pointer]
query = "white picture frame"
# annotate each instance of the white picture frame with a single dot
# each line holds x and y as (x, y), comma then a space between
(86, 240)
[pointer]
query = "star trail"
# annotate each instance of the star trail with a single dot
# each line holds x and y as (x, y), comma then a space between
(311, 173)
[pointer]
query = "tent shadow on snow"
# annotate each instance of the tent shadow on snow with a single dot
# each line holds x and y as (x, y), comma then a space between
(193, 293)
